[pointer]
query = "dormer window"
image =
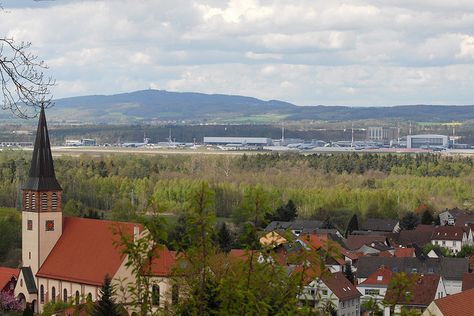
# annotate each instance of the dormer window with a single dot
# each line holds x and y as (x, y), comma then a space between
(44, 201)
(379, 277)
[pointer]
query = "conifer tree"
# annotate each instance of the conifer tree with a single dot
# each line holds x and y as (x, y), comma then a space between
(106, 306)
(225, 238)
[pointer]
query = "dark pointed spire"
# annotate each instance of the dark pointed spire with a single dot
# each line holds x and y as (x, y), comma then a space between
(42, 176)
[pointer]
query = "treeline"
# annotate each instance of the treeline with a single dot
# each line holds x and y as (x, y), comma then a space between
(379, 185)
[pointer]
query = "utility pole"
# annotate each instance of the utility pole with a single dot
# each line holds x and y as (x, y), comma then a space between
(282, 133)
(352, 133)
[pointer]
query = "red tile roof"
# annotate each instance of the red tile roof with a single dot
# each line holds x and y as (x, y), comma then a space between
(448, 233)
(404, 252)
(6, 275)
(86, 251)
(385, 254)
(457, 304)
(422, 293)
(341, 286)
(164, 262)
(382, 276)
(467, 281)
(312, 240)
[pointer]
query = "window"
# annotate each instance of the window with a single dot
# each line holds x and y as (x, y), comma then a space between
(54, 201)
(155, 295)
(29, 255)
(27, 200)
(53, 294)
(454, 243)
(29, 224)
(372, 292)
(77, 298)
(174, 294)
(44, 201)
(325, 292)
(49, 226)
(89, 297)
(65, 295)
(379, 277)
(42, 294)
(444, 242)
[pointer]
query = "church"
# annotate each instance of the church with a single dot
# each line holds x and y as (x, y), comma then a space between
(67, 258)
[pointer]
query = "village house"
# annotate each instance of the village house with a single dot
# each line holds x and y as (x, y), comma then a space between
(8, 279)
(333, 289)
(452, 238)
(452, 305)
(65, 258)
(451, 269)
(380, 225)
(376, 285)
(427, 288)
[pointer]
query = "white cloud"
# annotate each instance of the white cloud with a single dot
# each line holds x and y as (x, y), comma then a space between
(359, 52)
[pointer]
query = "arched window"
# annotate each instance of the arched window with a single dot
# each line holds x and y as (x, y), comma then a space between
(42, 294)
(53, 294)
(27, 200)
(155, 295)
(77, 297)
(174, 294)
(89, 297)
(33, 201)
(54, 201)
(44, 201)
(65, 295)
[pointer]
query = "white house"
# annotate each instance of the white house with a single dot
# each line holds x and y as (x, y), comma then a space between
(375, 286)
(452, 238)
(335, 289)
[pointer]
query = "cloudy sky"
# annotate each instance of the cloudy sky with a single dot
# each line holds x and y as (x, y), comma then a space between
(373, 52)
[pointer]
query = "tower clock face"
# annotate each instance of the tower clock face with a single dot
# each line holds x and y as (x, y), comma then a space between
(49, 225)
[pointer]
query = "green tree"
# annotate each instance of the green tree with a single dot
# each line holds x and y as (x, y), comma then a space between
(348, 272)
(225, 238)
(106, 305)
(285, 213)
(427, 217)
(409, 221)
(73, 208)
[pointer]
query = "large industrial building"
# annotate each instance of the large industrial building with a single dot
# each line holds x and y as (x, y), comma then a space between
(427, 140)
(244, 141)
(380, 133)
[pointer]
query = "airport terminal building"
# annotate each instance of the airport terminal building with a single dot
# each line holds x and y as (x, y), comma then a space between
(244, 141)
(427, 140)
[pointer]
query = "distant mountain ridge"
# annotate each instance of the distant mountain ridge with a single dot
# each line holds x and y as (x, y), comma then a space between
(148, 105)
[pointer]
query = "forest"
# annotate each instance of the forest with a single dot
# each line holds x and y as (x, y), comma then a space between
(125, 187)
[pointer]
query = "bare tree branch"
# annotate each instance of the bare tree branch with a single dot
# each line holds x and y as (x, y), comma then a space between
(23, 84)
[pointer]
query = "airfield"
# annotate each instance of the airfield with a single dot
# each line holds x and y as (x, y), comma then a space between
(202, 150)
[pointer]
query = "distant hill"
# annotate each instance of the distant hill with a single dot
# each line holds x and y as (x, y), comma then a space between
(148, 105)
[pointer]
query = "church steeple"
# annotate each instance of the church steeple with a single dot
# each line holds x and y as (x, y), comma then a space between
(41, 175)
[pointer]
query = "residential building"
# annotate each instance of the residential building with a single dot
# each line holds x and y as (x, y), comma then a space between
(8, 279)
(452, 238)
(333, 288)
(451, 269)
(448, 217)
(427, 288)
(380, 225)
(452, 305)
(376, 285)
(297, 227)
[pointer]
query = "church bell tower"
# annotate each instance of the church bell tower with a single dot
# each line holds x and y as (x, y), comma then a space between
(42, 221)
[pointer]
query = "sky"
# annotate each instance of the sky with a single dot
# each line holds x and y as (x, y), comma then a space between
(308, 52)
